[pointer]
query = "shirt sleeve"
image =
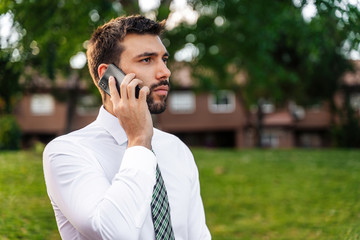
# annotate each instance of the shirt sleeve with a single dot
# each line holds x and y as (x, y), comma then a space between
(97, 208)
(196, 220)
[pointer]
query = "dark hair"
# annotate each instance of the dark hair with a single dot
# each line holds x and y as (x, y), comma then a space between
(105, 43)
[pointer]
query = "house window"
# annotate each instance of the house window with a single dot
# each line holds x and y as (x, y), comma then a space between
(355, 101)
(42, 104)
(87, 105)
(268, 108)
(270, 139)
(310, 140)
(182, 102)
(222, 102)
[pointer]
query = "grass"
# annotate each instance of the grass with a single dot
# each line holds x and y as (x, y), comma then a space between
(288, 194)
(25, 210)
(248, 194)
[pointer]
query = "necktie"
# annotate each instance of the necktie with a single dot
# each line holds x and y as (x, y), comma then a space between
(160, 210)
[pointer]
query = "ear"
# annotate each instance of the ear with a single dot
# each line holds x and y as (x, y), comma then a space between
(101, 69)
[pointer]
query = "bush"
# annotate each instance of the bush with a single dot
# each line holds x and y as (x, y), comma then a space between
(347, 133)
(10, 133)
(38, 147)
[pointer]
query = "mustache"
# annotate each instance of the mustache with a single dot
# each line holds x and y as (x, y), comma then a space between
(161, 83)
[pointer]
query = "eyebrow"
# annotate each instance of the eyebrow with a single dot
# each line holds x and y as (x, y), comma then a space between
(149, 54)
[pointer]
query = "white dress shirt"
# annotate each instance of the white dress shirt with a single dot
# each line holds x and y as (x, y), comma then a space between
(100, 189)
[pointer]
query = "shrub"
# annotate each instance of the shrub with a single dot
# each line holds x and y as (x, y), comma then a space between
(10, 133)
(38, 148)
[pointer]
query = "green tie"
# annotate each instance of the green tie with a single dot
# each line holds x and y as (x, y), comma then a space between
(160, 210)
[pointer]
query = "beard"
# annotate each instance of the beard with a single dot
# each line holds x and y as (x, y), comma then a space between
(157, 108)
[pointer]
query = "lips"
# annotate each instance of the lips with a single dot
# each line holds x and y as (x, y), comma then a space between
(162, 90)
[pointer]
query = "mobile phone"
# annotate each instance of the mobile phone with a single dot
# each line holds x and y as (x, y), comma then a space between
(119, 75)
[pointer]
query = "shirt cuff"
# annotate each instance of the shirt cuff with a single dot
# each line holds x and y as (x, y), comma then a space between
(140, 158)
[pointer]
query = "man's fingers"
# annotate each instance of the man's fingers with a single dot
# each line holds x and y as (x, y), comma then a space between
(113, 90)
(132, 86)
(127, 90)
(144, 91)
(125, 82)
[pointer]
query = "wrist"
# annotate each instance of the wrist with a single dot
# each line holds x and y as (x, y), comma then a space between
(144, 142)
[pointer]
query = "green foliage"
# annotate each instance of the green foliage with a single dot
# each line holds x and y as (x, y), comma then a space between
(283, 56)
(9, 85)
(347, 132)
(10, 133)
(38, 148)
(57, 30)
(54, 31)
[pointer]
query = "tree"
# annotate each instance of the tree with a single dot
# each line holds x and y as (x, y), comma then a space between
(284, 56)
(9, 86)
(52, 32)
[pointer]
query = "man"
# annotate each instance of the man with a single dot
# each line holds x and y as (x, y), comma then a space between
(101, 179)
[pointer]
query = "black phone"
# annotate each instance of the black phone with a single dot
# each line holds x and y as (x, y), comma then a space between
(119, 75)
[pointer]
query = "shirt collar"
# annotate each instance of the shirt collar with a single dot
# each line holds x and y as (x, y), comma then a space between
(111, 125)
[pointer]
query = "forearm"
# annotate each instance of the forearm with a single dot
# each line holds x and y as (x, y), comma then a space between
(96, 207)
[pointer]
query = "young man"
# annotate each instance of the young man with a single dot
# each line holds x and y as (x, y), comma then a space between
(101, 179)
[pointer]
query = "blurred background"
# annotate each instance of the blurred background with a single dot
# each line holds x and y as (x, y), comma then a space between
(248, 76)
(245, 73)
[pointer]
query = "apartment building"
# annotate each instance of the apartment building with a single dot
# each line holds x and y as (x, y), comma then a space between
(206, 119)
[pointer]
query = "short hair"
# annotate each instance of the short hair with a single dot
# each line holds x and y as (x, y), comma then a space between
(105, 44)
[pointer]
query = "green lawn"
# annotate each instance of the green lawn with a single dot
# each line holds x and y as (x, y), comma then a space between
(248, 194)
(289, 194)
(25, 210)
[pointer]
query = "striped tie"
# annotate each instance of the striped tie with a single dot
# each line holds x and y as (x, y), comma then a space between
(160, 210)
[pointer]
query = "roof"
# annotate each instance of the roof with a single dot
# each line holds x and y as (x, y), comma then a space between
(278, 119)
(32, 79)
(315, 119)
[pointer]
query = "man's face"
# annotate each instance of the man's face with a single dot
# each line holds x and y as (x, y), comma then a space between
(146, 56)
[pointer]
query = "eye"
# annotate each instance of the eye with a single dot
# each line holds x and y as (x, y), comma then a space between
(146, 60)
(165, 60)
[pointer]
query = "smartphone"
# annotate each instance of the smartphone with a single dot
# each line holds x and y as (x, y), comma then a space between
(114, 71)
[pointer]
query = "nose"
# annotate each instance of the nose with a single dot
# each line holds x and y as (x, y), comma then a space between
(163, 72)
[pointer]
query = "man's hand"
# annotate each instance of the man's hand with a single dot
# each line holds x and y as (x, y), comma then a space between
(133, 113)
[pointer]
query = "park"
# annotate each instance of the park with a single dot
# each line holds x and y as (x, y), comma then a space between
(266, 96)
